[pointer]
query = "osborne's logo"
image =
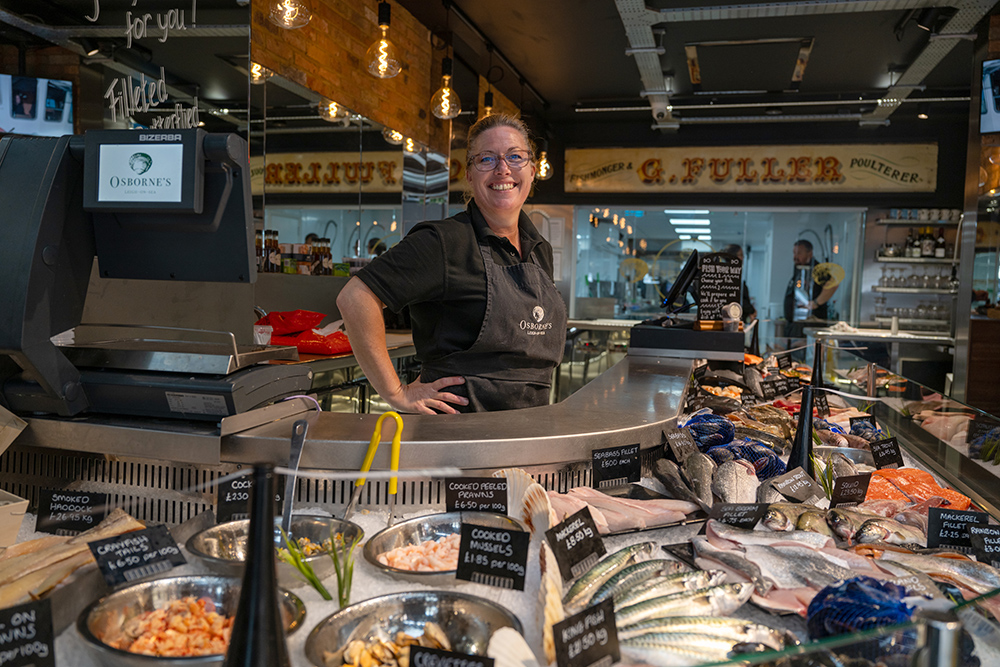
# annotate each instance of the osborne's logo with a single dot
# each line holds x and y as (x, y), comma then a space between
(536, 328)
(140, 163)
(538, 313)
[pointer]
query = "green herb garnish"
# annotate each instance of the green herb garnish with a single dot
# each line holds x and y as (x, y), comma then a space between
(293, 555)
(343, 563)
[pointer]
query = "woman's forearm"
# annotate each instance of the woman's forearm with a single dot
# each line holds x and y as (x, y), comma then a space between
(362, 313)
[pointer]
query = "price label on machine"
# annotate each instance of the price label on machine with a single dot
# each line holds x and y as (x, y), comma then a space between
(492, 556)
(70, 512)
(589, 638)
(131, 556)
(476, 494)
(26, 636)
(576, 544)
(615, 466)
(950, 528)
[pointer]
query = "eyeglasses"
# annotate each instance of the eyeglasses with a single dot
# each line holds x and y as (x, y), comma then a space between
(488, 160)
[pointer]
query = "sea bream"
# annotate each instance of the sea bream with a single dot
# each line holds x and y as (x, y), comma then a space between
(699, 469)
(783, 516)
(881, 529)
(736, 482)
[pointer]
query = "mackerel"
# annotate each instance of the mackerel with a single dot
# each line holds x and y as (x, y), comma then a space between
(714, 601)
(739, 629)
(591, 580)
(661, 586)
(633, 575)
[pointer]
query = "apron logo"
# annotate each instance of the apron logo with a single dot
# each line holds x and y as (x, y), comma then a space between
(536, 328)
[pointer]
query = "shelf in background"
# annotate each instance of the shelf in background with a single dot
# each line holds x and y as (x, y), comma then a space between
(915, 260)
(916, 223)
(912, 290)
(916, 322)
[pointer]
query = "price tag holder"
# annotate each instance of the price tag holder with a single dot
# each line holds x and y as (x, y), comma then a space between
(788, 385)
(492, 556)
(26, 636)
(797, 486)
(886, 454)
(233, 499)
(131, 556)
(589, 638)
(950, 528)
(615, 466)
(699, 372)
(985, 540)
(421, 656)
(680, 443)
(576, 544)
(784, 361)
(867, 419)
(821, 403)
(741, 515)
(850, 490)
(769, 388)
(475, 494)
(70, 512)
(748, 399)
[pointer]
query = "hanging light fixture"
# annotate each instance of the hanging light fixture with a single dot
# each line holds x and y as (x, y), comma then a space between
(383, 62)
(488, 103)
(332, 112)
(445, 103)
(410, 146)
(259, 74)
(543, 169)
(290, 14)
(392, 136)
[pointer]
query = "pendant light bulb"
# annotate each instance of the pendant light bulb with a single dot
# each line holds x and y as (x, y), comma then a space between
(382, 58)
(290, 14)
(393, 137)
(259, 74)
(445, 103)
(544, 170)
(409, 146)
(332, 112)
(488, 103)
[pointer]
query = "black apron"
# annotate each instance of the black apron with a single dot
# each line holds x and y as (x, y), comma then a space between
(520, 342)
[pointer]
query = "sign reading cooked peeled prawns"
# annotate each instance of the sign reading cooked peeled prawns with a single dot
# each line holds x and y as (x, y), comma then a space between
(749, 169)
(327, 172)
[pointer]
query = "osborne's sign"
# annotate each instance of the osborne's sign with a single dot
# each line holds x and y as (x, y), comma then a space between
(751, 169)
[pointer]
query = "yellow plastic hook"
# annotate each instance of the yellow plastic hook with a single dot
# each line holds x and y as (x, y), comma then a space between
(373, 447)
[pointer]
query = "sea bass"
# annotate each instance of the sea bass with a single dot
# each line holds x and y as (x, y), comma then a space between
(718, 531)
(736, 482)
(670, 475)
(699, 469)
(803, 569)
(730, 560)
(592, 579)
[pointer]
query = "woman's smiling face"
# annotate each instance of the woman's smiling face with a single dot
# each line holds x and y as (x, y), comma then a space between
(503, 190)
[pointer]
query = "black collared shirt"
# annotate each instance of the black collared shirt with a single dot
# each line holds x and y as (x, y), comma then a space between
(437, 270)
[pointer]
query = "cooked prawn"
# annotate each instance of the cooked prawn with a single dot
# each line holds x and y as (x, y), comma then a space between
(428, 556)
(184, 627)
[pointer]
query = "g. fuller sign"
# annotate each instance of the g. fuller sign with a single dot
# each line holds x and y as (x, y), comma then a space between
(822, 168)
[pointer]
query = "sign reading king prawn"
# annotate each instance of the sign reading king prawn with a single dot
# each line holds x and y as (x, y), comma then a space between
(298, 173)
(823, 168)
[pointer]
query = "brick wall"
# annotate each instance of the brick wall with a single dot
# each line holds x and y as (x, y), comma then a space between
(50, 62)
(328, 57)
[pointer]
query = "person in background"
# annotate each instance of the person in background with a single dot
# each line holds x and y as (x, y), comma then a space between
(804, 297)
(749, 312)
(489, 326)
(376, 247)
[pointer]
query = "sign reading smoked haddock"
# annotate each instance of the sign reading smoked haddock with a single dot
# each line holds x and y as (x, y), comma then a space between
(821, 168)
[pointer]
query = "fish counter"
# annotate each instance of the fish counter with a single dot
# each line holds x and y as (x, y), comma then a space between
(763, 526)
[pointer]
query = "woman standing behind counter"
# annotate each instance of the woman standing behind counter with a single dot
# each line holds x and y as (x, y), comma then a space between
(489, 325)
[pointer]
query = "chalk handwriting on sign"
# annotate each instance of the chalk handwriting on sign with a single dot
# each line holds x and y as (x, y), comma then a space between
(718, 285)
(26, 635)
(137, 27)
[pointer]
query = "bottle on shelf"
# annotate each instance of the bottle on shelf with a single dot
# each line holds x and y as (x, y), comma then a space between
(915, 246)
(940, 246)
(927, 242)
(274, 254)
(259, 243)
(907, 249)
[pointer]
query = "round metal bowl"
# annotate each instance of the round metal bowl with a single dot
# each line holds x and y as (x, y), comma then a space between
(429, 527)
(104, 619)
(224, 547)
(468, 621)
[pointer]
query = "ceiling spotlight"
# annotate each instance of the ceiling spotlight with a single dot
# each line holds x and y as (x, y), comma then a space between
(923, 110)
(383, 61)
(393, 137)
(90, 47)
(332, 112)
(445, 103)
(290, 14)
(927, 18)
(259, 74)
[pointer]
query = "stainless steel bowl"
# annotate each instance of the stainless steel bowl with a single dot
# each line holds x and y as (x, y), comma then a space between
(468, 621)
(224, 547)
(429, 527)
(104, 619)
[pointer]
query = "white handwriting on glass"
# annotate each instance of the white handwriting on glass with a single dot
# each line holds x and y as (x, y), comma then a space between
(172, 19)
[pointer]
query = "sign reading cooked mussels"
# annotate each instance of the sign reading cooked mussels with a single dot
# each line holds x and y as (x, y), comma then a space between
(719, 282)
(492, 556)
(421, 656)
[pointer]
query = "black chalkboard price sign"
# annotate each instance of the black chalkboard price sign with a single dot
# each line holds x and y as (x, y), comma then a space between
(822, 403)
(680, 443)
(980, 426)
(985, 543)
(492, 556)
(233, 500)
(136, 555)
(719, 283)
(850, 490)
(588, 638)
(798, 486)
(70, 512)
(432, 657)
(615, 466)
(886, 453)
(576, 544)
(741, 515)
(950, 528)
(784, 361)
(26, 636)
(769, 388)
(475, 494)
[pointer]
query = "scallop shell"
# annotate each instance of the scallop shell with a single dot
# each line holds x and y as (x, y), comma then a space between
(518, 482)
(508, 649)
(535, 510)
(550, 599)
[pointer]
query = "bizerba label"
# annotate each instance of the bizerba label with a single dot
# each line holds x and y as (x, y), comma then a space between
(140, 173)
